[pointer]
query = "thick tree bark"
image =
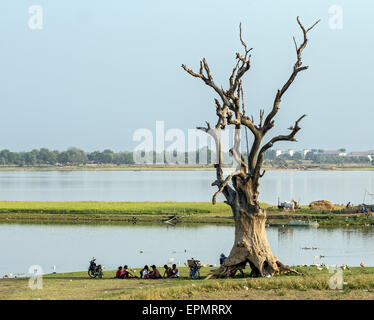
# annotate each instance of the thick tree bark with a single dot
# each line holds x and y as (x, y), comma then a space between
(250, 246)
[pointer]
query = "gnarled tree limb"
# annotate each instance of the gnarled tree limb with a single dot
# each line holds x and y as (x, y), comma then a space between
(269, 123)
(231, 111)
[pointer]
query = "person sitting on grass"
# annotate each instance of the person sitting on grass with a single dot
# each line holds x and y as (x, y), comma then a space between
(118, 273)
(144, 272)
(125, 272)
(175, 271)
(168, 273)
(154, 274)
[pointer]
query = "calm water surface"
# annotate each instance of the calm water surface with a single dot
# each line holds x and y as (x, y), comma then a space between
(307, 186)
(70, 248)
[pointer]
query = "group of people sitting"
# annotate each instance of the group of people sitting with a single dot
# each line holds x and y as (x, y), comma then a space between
(124, 273)
(145, 273)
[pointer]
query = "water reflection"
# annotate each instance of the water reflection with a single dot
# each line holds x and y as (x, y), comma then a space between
(70, 247)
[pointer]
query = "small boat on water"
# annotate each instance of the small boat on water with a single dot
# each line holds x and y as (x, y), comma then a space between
(172, 219)
(301, 223)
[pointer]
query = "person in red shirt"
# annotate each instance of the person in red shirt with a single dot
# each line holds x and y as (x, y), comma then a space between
(118, 273)
(125, 273)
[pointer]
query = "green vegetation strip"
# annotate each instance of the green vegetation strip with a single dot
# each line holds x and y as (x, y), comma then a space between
(313, 284)
(130, 208)
(151, 212)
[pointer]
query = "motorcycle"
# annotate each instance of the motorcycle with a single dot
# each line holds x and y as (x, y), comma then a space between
(95, 270)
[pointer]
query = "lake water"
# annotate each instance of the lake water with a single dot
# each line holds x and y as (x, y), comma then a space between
(307, 186)
(70, 247)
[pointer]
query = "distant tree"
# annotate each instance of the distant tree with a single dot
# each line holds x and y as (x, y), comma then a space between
(297, 156)
(63, 157)
(270, 155)
(5, 156)
(94, 156)
(31, 158)
(46, 157)
(123, 158)
(107, 156)
(309, 155)
(76, 156)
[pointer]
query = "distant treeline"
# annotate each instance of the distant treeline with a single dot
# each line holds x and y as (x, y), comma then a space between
(75, 156)
(314, 157)
(72, 156)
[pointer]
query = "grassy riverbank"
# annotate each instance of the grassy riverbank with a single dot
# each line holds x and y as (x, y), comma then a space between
(313, 284)
(155, 212)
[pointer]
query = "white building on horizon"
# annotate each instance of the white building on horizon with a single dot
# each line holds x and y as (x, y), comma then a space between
(305, 151)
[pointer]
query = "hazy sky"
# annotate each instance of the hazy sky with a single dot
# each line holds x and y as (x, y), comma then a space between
(99, 70)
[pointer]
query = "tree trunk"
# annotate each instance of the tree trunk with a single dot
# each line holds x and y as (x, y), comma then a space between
(251, 245)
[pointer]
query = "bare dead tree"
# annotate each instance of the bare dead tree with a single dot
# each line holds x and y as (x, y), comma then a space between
(251, 244)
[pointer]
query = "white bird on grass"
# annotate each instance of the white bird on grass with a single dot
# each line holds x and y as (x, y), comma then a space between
(8, 275)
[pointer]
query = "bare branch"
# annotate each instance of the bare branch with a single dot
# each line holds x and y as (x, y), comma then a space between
(235, 151)
(290, 137)
(262, 111)
(269, 123)
(242, 66)
(230, 110)
(208, 80)
(214, 133)
(294, 41)
(224, 185)
(228, 192)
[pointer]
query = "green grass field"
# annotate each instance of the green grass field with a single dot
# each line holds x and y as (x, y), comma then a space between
(313, 284)
(130, 208)
(154, 212)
